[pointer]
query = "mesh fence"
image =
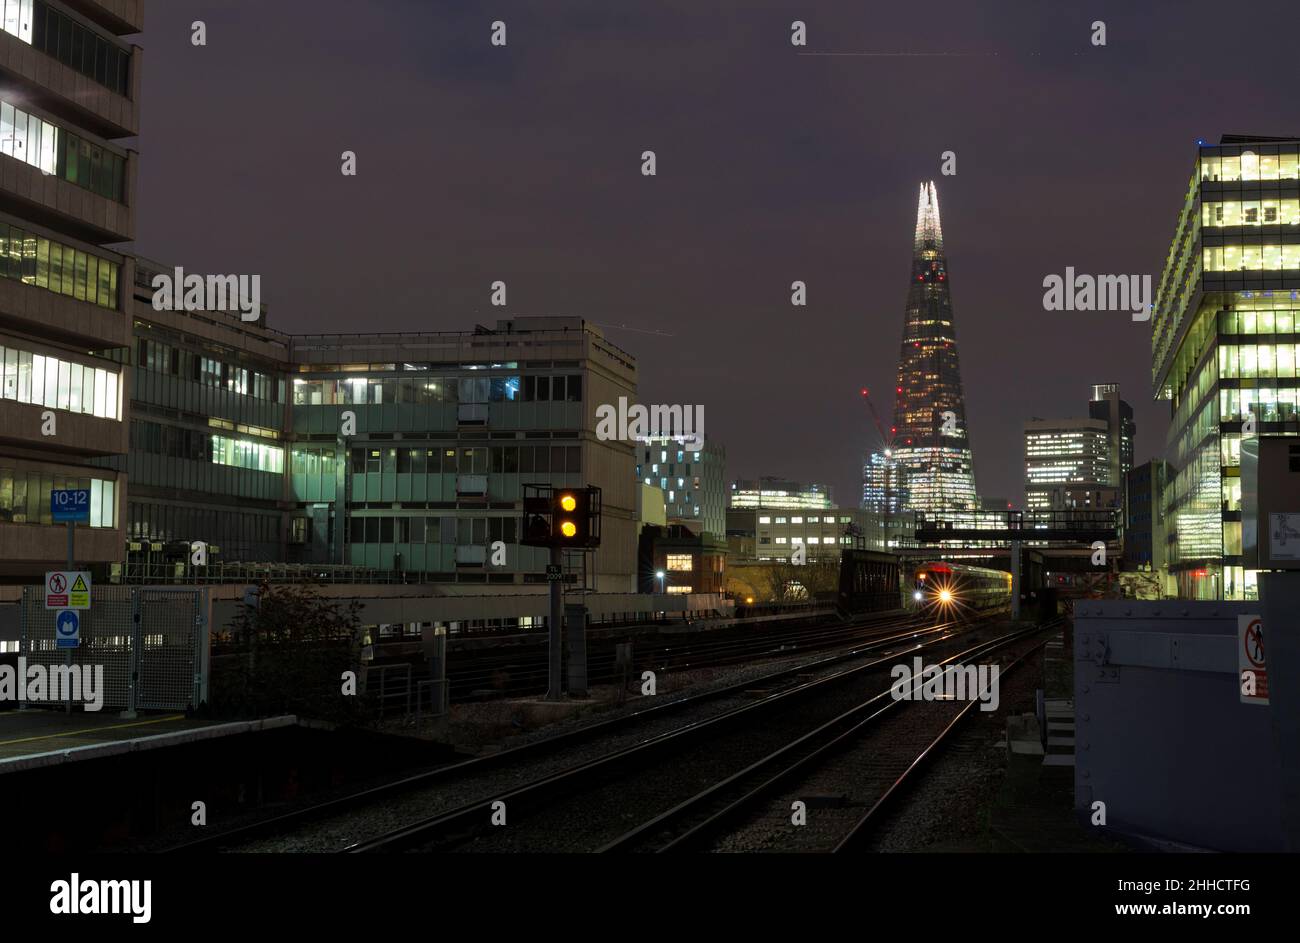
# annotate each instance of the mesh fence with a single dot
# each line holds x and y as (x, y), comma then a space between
(164, 647)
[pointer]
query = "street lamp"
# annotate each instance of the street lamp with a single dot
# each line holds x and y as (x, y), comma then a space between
(659, 574)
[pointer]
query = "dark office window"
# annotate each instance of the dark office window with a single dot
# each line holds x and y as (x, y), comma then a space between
(403, 461)
(575, 388)
(417, 530)
(79, 48)
(372, 530)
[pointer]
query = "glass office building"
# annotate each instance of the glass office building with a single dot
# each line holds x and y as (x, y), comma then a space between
(931, 442)
(767, 492)
(1224, 344)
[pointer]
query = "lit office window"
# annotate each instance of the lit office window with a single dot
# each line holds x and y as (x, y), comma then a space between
(765, 520)
(680, 562)
(58, 384)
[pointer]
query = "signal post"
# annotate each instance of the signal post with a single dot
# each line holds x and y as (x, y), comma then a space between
(562, 519)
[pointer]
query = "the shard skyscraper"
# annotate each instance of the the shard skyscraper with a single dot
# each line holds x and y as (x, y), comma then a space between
(931, 444)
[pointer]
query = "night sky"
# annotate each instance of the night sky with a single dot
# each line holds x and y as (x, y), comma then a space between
(522, 164)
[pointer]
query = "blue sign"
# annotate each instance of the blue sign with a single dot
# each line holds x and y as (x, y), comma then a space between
(67, 629)
(70, 505)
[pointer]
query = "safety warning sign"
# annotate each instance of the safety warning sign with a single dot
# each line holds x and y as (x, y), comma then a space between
(1252, 670)
(67, 589)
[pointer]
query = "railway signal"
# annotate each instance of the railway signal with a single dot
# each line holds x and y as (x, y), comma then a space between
(562, 519)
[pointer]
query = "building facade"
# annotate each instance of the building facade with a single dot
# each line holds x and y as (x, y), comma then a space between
(779, 494)
(1105, 404)
(410, 451)
(932, 443)
(764, 534)
(1225, 343)
(693, 482)
(209, 443)
(1144, 517)
(1068, 465)
(884, 490)
(69, 93)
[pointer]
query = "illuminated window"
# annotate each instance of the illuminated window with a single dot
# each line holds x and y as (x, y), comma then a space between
(680, 562)
(765, 520)
(680, 589)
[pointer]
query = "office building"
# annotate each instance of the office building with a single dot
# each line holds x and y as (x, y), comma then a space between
(449, 428)
(765, 534)
(1224, 348)
(883, 489)
(70, 93)
(1144, 517)
(693, 481)
(779, 494)
(1106, 405)
(1067, 466)
(932, 442)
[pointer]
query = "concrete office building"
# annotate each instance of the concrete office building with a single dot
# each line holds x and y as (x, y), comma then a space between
(69, 90)
(760, 535)
(208, 442)
(693, 482)
(449, 428)
(1106, 405)
(1224, 348)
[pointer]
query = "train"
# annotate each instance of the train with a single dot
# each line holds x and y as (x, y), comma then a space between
(955, 589)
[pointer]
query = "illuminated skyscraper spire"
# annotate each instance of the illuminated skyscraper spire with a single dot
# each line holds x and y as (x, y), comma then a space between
(930, 409)
(929, 234)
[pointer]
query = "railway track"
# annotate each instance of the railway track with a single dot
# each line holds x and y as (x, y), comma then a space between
(522, 670)
(845, 773)
(877, 637)
(588, 803)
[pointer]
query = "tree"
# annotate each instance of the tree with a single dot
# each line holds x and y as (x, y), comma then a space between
(295, 646)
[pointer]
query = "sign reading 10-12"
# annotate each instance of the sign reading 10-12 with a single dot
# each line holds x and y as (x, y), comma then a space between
(70, 505)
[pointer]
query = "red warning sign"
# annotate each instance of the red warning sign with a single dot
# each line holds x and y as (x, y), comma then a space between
(1252, 669)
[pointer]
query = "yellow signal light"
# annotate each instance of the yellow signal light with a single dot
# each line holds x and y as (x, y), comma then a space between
(568, 528)
(568, 502)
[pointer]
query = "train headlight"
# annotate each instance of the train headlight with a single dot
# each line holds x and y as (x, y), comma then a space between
(945, 596)
(917, 595)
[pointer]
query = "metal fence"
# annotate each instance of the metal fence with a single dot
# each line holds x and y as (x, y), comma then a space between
(151, 642)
